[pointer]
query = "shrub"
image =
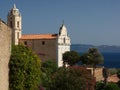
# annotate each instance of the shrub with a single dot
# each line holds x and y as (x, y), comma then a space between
(24, 73)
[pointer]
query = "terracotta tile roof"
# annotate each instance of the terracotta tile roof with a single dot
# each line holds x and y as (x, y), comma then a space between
(113, 78)
(39, 36)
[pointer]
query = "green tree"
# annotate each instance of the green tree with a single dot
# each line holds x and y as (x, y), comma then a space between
(72, 78)
(105, 75)
(112, 86)
(97, 56)
(109, 86)
(71, 57)
(118, 74)
(24, 73)
(86, 59)
(48, 68)
(118, 83)
(100, 86)
(93, 57)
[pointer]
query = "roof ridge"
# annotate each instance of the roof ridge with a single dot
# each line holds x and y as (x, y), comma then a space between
(39, 36)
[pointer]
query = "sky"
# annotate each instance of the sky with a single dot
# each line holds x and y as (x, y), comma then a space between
(95, 22)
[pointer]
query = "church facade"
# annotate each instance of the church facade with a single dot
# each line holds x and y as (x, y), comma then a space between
(47, 46)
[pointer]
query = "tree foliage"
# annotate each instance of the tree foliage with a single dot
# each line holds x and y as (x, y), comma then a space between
(72, 78)
(86, 59)
(92, 57)
(48, 68)
(118, 83)
(109, 86)
(112, 86)
(100, 86)
(71, 57)
(97, 56)
(118, 74)
(24, 73)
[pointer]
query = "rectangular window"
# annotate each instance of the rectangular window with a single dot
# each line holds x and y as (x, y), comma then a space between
(18, 24)
(11, 25)
(18, 35)
(25, 42)
(43, 42)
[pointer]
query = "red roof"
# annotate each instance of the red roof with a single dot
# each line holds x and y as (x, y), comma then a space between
(39, 36)
(113, 78)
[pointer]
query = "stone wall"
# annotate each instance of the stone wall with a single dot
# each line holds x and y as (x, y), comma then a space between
(5, 51)
(98, 73)
(45, 48)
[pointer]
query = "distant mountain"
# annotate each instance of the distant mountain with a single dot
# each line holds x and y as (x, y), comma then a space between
(102, 48)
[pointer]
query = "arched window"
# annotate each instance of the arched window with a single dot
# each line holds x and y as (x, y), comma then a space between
(64, 40)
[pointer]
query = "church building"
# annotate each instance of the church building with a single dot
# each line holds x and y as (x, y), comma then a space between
(47, 46)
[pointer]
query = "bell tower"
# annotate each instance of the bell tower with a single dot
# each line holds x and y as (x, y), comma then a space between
(14, 20)
(63, 44)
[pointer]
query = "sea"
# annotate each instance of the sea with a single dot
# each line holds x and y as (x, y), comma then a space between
(111, 60)
(111, 54)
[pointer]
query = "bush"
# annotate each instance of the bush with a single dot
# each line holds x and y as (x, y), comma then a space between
(118, 83)
(100, 86)
(25, 70)
(112, 86)
(48, 68)
(118, 74)
(73, 78)
(112, 71)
